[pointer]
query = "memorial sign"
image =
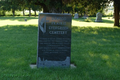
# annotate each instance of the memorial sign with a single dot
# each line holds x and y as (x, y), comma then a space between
(98, 17)
(76, 16)
(54, 40)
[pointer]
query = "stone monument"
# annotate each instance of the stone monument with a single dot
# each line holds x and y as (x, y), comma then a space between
(85, 16)
(54, 40)
(98, 17)
(25, 19)
(76, 16)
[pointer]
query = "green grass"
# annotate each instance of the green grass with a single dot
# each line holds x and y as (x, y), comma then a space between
(18, 20)
(105, 22)
(94, 50)
(104, 19)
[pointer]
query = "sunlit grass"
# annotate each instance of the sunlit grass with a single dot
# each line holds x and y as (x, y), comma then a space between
(18, 21)
(75, 22)
(81, 22)
(94, 50)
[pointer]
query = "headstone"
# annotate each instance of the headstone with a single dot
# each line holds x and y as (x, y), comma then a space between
(54, 40)
(85, 16)
(25, 19)
(98, 17)
(76, 16)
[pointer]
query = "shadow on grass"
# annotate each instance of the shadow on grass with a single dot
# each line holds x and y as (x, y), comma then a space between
(92, 19)
(95, 51)
(17, 29)
(20, 18)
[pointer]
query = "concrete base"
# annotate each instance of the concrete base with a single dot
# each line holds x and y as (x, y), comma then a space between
(34, 66)
(48, 63)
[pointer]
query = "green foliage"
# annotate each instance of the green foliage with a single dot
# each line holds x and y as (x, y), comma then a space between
(87, 20)
(2, 13)
(68, 9)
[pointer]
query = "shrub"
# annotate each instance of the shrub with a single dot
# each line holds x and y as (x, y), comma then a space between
(87, 20)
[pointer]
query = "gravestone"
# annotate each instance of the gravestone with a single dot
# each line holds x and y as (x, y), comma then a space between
(85, 16)
(76, 16)
(98, 17)
(25, 19)
(54, 40)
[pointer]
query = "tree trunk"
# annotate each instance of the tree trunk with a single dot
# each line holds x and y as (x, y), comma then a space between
(116, 15)
(45, 9)
(23, 12)
(35, 13)
(3, 13)
(84, 13)
(72, 12)
(81, 14)
(13, 11)
(29, 12)
(51, 10)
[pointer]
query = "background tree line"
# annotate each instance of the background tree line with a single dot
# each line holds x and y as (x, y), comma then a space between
(90, 7)
(21, 5)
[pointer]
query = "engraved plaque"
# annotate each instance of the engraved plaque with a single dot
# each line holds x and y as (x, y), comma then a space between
(54, 40)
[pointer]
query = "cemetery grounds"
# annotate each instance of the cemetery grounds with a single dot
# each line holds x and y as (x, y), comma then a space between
(95, 50)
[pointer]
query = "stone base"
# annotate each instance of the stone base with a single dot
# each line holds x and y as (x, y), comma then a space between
(47, 63)
(76, 17)
(34, 66)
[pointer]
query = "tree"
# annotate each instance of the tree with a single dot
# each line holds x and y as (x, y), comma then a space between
(50, 6)
(10, 5)
(68, 9)
(116, 12)
(95, 5)
(35, 8)
(4, 7)
(14, 5)
(56, 6)
(22, 5)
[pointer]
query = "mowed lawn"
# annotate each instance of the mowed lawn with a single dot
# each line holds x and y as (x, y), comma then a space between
(95, 50)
